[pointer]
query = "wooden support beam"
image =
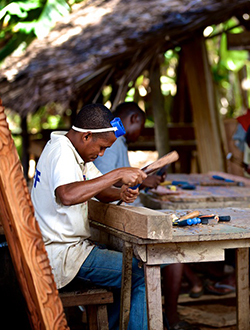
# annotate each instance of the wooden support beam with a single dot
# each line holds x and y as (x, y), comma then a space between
(205, 115)
(242, 288)
(238, 41)
(159, 113)
(153, 292)
(126, 285)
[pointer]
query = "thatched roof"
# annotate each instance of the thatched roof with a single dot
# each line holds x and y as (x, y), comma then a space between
(101, 40)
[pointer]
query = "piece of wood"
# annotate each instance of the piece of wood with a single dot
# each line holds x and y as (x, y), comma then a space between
(126, 285)
(208, 130)
(188, 200)
(92, 319)
(154, 297)
(169, 158)
(239, 41)
(206, 193)
(86, 297)
(229, 176)
(25, 241)
(242, 288)
(184, 252)
(138, 221)
(209, 318)
(158, 107)
(102, 318)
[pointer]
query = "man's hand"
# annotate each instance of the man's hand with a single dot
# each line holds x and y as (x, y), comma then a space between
(152, 181)
(132, 176)
(128, 195)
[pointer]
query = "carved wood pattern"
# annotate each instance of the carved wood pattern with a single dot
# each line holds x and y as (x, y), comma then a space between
(24, 239)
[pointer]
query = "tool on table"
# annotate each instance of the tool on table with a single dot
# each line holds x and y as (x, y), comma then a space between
(182, 184)
(194, 218)
(214, 218)
(236, 160)
(219, 177)
(169, 158)
(191, 218)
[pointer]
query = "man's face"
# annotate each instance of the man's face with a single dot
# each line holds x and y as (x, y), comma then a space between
(94, 147)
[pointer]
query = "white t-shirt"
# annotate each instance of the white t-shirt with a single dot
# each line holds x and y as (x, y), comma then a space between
(65, 229)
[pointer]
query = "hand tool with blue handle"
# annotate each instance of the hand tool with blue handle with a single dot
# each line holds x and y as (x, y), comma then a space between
(214, 219)
(187, 222)
(218, 177)
(181, 184)
(189, 219)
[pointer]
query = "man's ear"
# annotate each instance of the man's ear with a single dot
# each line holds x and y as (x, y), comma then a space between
(86, 136)
(134, 118)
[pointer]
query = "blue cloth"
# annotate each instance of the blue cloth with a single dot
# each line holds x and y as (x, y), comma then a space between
(114, 157)
(104, 267)
(239, 137)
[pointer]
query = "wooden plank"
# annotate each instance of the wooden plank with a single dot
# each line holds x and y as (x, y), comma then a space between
(209, 192)
(237, 229)
(242, 288)
(154, 297)
(126, 285)
(246, 181)
(206, 121)
(190, 200)
(138, 221)
(239, 41)
(209, 318)
(196, 252)
(86, 297)
(158, 108)
(92, 319)
(102, 318)
(183, 252)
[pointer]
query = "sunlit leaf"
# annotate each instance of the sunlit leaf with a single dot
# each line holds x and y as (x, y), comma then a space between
(51, 13)
(233, 60)
(19, 8)
(26, 27)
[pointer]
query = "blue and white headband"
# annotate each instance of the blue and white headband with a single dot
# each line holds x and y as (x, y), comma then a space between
(117, 128)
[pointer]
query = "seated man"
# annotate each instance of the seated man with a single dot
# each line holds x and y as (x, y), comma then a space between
(65, 180)
(133, 119)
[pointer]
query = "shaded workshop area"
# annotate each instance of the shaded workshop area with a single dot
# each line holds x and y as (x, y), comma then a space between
(157, 54)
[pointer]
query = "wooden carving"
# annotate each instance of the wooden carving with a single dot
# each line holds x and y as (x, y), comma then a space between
(24, 239)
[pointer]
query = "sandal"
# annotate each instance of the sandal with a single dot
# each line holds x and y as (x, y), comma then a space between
(219, 289)
(198, 294)
(183, 325)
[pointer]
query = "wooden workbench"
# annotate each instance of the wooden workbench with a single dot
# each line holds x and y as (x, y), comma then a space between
(208, 192)
(198, 243)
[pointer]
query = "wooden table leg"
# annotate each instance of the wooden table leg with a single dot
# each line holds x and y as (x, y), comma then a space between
(242, 288)
(154, 297)
(126, 285)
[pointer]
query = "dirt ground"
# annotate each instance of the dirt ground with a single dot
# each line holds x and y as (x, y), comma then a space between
(209, 312)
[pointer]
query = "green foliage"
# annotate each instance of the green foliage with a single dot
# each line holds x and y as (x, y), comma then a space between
(233, 60)
(23, 21)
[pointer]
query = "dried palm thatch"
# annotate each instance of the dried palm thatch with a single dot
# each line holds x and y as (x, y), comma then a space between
(103, 41)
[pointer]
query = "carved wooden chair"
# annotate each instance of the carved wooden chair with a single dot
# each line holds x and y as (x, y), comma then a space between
(45, 305)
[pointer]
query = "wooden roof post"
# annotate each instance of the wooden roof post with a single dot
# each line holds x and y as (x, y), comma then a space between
(157, 104)
(208, 129)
